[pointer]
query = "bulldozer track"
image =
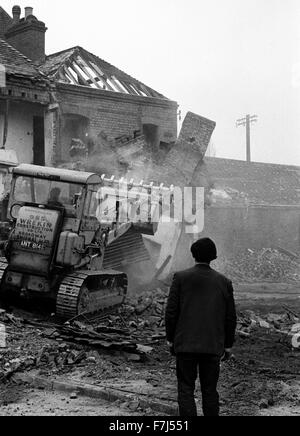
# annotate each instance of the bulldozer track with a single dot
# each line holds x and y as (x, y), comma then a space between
(68, 295)
(70, 291)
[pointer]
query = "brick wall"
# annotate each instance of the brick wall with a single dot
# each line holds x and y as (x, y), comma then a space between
(29, 39)
(259, 183)
(187, 154)
(116, 114)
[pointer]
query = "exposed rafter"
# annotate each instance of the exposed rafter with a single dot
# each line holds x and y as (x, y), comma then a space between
(77, 66)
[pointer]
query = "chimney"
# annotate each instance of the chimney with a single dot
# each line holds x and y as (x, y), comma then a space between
(16, 13)
(28, 12)
(27, 34)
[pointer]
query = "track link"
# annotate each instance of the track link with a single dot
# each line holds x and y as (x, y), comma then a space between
(74, 288)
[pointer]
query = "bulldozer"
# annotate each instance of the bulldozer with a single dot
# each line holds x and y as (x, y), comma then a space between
(70, 237)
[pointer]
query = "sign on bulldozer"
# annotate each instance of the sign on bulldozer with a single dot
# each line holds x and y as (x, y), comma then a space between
(2, 336)
(35, 229)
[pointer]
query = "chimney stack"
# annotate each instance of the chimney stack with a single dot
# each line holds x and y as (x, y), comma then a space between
(27, 34)
(28, 12)
(16, 12)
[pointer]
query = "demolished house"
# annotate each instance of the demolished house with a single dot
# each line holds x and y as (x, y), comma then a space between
(92, 105)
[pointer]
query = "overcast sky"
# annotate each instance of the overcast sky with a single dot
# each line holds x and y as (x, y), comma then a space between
(219, 58)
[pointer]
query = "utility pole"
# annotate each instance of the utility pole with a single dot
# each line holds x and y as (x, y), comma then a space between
(247, 121)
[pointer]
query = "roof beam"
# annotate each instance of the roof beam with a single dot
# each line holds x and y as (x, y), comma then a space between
(85, 69)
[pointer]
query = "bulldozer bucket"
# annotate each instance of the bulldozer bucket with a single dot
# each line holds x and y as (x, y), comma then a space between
(126, 250)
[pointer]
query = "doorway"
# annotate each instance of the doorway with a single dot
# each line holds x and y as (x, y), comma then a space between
(38, 141)
(151, 132)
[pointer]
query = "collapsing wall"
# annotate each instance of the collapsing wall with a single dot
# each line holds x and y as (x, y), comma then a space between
(180, 163)
(179, 168)
(242, 209)
(113, 115)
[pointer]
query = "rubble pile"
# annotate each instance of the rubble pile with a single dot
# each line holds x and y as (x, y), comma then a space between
(147, 310)
(134, 328)
(98, 337)
(266, 265)
(124, 343)
(287, 324)
(8, 318)
(28, 347)
(126, 349)
(126, 335)
(60, 356)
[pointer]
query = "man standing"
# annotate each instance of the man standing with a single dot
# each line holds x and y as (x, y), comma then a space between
(200, 326)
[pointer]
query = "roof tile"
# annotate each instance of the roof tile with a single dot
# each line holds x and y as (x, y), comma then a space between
(5, 21)
(15, 62)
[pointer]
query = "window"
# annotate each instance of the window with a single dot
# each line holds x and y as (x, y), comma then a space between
(47, 192)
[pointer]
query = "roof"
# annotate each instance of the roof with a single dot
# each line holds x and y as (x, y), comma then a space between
(79, 67)
(57, 174)
(255, 183)
(5, 21)
(15, 62)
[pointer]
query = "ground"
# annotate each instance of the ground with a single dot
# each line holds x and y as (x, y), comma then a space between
(23, 401)
(262, 378)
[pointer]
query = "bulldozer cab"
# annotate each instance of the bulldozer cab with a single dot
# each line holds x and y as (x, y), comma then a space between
(44, 202)
(50, 188)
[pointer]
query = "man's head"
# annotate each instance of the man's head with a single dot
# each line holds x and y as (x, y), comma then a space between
(204, 250)
(54, 194)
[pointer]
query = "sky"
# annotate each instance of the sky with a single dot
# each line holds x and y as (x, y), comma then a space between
(221, 59)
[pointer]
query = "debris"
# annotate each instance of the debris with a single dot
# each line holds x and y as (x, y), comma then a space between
(243, 334)
(144, 349)
(266, 265)
(142, 308)
(288, 253)
(264, 324)
(87, 335)
(275, 318)
(8, 318)
(48, 333)
(295, 329)
(73, 396)
(133, 357)
(263, 404)
(271, 402)
(291, 311)
(134, 405)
